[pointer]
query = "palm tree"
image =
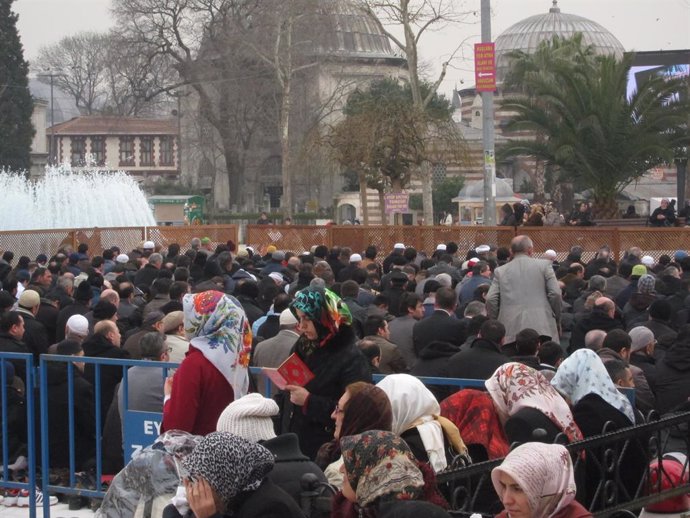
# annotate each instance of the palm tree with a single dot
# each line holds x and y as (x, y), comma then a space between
(587, 126)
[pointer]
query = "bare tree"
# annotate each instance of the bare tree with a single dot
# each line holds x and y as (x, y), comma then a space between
(81, 60)
(415, 18)
(108, 73)
(202, 40)
(286, 36)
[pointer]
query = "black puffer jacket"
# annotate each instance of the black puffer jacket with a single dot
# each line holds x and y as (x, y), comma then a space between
(673, 374)
(335, 366)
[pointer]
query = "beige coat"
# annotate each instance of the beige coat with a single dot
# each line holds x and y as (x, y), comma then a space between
(525, 294)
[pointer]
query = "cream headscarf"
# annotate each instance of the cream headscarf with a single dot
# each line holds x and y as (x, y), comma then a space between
(544, 472)
(414, 405)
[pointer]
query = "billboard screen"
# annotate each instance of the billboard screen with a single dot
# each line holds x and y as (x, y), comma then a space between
(672, 64)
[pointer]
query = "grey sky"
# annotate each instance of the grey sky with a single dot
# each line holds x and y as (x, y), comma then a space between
(638, 24)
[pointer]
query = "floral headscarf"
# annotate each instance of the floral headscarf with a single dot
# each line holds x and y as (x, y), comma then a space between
(380, 464)
(325, 309)
(217, 326)
(544, 472)
(229, 463)
(515, 386)
(583, 373)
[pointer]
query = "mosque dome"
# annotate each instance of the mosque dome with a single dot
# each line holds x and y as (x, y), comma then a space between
(474, 191)
(356, 35)
(526, 35)
(64, 106)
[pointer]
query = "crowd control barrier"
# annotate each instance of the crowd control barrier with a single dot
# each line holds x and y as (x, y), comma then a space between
(140, 429)
(23, 367)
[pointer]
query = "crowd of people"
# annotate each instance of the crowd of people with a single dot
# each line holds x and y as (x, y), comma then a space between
(553, 340)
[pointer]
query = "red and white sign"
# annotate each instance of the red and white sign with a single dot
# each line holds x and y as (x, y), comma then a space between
(485, 67)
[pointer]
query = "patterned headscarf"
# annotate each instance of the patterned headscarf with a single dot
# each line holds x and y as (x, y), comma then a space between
(229, 463)
(515, 386)
(380, 464)
(473, 412)
(217, 326)
(325, 309)
(583, 373)
(544, 472)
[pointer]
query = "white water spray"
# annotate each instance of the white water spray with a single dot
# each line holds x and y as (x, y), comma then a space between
(64, 198)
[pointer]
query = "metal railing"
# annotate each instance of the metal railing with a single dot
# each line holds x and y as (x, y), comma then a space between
(607, 456)
(31, 484)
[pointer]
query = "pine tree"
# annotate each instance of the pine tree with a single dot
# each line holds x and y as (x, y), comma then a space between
(16, 104)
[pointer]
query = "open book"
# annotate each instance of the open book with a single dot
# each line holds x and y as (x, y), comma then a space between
(293, 371)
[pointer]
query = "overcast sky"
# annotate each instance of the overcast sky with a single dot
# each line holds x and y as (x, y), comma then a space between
(638, 24)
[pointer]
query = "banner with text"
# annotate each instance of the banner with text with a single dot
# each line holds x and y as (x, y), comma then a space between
(396, 202)
(485, 67)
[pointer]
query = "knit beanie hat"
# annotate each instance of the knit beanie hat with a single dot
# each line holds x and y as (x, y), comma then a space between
(639, 270)
(646, 284)
(641, 337)
(249, 417)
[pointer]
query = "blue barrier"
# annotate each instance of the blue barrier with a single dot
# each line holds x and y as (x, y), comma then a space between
(29, 393)
(129, 424)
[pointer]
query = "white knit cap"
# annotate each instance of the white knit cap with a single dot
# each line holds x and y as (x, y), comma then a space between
(441, 247)
(149, 245)
(399, 246)
(287, 318)
(78, 324)
(122, 258)
(550, 254)
(482, 249)
(647, 260)
(355, 258)
(277, 277)
(249, 417)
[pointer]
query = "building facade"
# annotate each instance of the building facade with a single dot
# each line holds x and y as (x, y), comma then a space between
(146, 149)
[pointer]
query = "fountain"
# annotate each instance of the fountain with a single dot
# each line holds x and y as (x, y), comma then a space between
(64, 198)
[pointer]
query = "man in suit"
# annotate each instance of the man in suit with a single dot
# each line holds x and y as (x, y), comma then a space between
(441, 326)
(274, 351)
(525, 293)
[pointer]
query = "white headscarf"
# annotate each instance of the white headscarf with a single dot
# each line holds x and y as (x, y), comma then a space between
(583, 373)
(415, 406)
(544, 472)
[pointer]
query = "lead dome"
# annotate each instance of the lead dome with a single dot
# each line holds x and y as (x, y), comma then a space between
(526, 35)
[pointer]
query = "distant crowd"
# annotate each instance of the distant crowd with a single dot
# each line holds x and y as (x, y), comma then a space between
(552, 338)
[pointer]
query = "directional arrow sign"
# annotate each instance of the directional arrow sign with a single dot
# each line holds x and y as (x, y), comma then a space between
(485, 67)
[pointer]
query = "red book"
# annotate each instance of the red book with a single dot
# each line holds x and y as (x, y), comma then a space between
(293, 371)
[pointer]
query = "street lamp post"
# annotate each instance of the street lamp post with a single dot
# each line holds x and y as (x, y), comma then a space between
(51, 145)
(488, 131)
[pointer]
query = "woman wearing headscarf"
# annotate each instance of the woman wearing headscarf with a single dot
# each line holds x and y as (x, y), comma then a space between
(526, 401)
(597, 406)
(215, 369)
(226, 476)
(382, 479)
(327, 346)
(536, 481)
(361, 408)
(416, 419)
